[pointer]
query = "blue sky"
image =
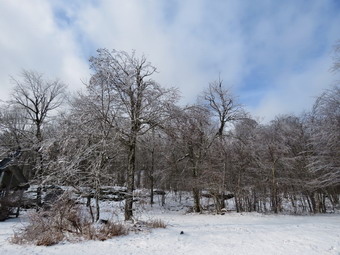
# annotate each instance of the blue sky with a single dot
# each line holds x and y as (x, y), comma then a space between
(274, 55)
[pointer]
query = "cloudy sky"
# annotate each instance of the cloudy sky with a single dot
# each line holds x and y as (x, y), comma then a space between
(274, 55)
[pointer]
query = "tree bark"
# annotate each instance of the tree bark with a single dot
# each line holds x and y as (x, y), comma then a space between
(196, 194)
(130, 177)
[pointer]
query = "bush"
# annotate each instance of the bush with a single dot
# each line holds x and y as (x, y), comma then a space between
(5, 210)
(8, 205)
(156, 223)
(111, 229)
(65, 221)
(49, 238)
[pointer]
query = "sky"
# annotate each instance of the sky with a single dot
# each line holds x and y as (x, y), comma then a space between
(275, 56)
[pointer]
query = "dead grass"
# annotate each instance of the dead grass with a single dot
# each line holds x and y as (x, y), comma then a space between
(66, 220)
(38, 232)
(156, 223)
(111, 229)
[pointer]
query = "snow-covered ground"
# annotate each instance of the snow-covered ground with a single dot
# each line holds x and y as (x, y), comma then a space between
(232, 233)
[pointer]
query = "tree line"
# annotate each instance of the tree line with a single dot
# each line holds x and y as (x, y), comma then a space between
(125, 129)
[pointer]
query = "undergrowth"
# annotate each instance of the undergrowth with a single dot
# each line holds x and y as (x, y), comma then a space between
(66, 221)
(156, 223)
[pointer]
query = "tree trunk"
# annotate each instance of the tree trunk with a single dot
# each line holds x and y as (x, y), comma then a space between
(151, 190)
(130, 178)
(88, 204)
(38, 199)
(97, 207)
(38, 132)
(163, 199)
(195, 190)
(237, 203)
(275, 200)
(255, 200)
(313, 203)
(197, 204)
(151, 175)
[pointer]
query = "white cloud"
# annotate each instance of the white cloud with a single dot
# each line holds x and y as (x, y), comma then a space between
(291, 48)
(275, 56)
(183, 49)
(30, 39)
(295, 93)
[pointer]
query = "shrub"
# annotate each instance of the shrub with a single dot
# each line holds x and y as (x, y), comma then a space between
(156, 223)
(49, 227)
(5, 210)
(111, 229)
(65, 221)
(49, 238)
(8, 204)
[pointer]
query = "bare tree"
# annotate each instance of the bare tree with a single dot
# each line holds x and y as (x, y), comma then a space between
(242, 162)
(223, 106)
(192, 135)
(82, 155)
(324, 127)
(38, 98)
(141, 103)
(92, 145)
(14, 130)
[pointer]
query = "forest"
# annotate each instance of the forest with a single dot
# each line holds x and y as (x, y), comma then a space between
(126, 130)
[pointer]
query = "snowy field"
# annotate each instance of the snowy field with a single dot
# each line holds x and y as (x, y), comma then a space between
(232, 233)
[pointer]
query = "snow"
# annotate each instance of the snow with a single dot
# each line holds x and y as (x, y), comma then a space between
(232, 233)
